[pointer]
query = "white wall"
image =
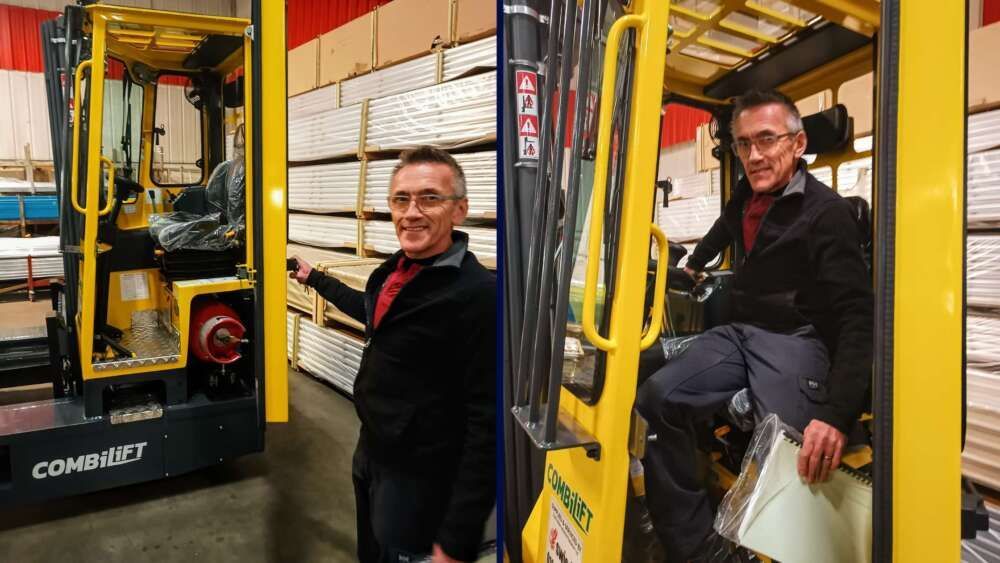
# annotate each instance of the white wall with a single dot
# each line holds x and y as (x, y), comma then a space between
(677, 161)
(24, 116)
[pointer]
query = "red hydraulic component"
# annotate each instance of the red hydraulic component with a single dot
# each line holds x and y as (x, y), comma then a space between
(216, 332)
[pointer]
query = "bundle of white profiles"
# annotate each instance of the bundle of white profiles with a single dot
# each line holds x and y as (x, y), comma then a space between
(46, 260)
(773, 512)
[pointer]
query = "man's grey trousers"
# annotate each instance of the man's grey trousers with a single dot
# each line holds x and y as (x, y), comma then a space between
(779, 369)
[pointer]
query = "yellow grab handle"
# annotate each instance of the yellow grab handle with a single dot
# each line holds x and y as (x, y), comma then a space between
(601, 178)
(659, 289)
(111, 186)
(75, 172)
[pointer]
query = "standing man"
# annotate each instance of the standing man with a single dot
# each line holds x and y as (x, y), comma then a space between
(801, 336)
(424, 468)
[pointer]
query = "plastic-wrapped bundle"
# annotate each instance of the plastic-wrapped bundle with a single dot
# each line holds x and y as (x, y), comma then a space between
(315, 255)
(299, 296)
(981, 456)
(320, 230)
(46, 260)
(329, 354)
(381, 237)
(695, 185)
(983, 131)
(836, 516)
(313, 102)
(447, 115)
(324, 135)
(291, 318)
(982, 341)
(463, 59)
(824, 174)
(395, 79)
(982, 272)
(688, 220)
(984, 189)
(854, 178)
(324, 188)
(480, 182)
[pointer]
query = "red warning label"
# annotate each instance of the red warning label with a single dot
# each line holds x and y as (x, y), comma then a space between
(527, 126)
(526, 81)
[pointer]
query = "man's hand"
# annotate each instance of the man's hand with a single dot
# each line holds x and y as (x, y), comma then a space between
(302, 274)
(696, 275)
(822, 446)
(439, 556)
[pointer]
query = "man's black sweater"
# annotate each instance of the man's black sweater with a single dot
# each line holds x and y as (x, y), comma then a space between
(425, 389)
(806, 267)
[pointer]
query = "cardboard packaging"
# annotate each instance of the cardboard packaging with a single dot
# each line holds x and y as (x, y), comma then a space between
(474, 19)
(346, 51)
(410, 28)
(984, 80)
(303, 67)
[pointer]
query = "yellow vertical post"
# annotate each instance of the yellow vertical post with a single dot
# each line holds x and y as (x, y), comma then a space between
(928, 273)
(274, 177)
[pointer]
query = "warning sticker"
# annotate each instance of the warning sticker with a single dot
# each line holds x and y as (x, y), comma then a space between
(563, 545)
(134, 287)
(528, 147)
(527, 82)
(527, 126)
(527, 104)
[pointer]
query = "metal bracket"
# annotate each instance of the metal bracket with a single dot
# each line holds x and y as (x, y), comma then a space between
(569, 434)
(249, 32)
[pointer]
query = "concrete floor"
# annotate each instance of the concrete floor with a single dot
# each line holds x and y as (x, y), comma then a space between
(294, 502)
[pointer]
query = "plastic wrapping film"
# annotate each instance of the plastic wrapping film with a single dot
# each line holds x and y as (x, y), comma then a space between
(754, 512)
(46, 260)
(313, 102)
(453, 114)
(982, 342)
(983, 131)
(985, 547)
(981, 456)
(675, 346)
(481, 54)
(695, 185)
(381, 237)
(329, 354)
(323, 231)
(315, 255)
(327, 134)
(854, 178)
(688, 220)
(982, 270)
(221, 227)
(983, 181)
(290, 317)
(480, 182)
(403, 77)
(324, 188)
(824, 174)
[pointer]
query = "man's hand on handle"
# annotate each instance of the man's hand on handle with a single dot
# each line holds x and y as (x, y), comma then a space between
(696, 275)
(822, 446)
(439, 556)
(302, 274)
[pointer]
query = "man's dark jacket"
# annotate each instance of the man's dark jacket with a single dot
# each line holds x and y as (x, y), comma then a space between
(806, 267)
(425, 389)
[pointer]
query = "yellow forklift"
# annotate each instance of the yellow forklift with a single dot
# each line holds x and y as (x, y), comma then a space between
(167, 340)
(587, 292)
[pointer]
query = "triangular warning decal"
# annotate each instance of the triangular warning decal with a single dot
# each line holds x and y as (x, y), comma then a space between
(529, 127)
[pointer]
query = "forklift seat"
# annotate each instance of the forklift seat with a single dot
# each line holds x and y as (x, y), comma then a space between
(212, 222)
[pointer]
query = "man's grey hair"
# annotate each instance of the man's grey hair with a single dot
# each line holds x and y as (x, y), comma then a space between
(430, 155)
(757, 98)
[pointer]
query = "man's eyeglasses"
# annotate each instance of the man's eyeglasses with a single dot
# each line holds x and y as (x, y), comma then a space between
(764, 143)
(425, 202)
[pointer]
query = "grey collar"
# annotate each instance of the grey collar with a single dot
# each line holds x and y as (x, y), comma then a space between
(456, 252)
(797, 185)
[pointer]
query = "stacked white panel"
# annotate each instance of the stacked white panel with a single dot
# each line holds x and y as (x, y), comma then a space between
(465, 59)
(688, 220)
(854, 178)
(695, 185)
(329, 354)
(983, 131)
(381, 237)
(323, 231)
(324, 188)
(984, 189)
(313, 102)
(24, 116)
(315, 255)
(395, 79)
(480, 181)
(299, 296)
(452, 114)
(326, 134)
(981, 457)
(983, 270)
(290, 317)
(982, 341)
(46, 261)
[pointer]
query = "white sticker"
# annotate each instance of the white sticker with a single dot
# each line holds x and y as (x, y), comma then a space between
(134, 287)
(528, 147)
(563, 545)
(129, 209)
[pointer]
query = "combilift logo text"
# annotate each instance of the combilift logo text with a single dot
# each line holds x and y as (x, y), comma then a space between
(111, 457)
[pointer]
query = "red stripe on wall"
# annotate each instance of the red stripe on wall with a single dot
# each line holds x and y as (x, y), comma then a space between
(308, 19)
(21, 38)
(680, 124)
(991, 11)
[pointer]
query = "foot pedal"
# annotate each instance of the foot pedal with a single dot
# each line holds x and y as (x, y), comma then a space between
(134, 413)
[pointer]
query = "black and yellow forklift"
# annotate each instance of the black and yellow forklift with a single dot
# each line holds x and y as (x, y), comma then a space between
(167, 339)
(587, 292)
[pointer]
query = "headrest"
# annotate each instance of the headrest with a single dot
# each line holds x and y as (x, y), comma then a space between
(828, 130)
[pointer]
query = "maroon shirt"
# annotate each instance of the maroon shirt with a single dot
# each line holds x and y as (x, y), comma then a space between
(404, 272)
(758, 206)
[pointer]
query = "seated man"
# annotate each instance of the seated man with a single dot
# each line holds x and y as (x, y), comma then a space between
(801, 336)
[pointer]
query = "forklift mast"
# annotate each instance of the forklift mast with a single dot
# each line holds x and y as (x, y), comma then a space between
(167, 340)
